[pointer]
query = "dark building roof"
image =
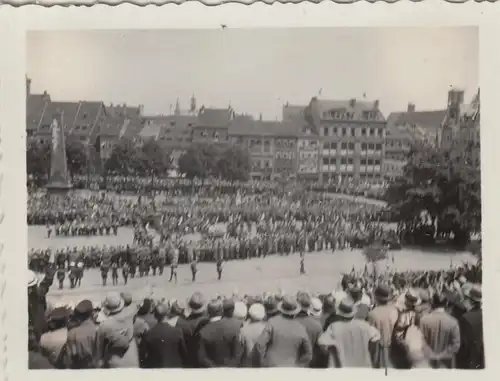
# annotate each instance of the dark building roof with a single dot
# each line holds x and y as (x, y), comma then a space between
(357, 109)
(36, 105)
(244, 125)
(293, 111)
(124, 111)
(214, 117)
(69, 111)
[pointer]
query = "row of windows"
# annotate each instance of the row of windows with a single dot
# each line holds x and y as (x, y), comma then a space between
(285, 155)
(350, 161)
(342, 115)
(345, 131)
(350, 146)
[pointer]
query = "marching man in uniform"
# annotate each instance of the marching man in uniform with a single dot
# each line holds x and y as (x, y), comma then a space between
(125, 271)
(105, 268)
(114, 273)
(174, 264)
(61, 274)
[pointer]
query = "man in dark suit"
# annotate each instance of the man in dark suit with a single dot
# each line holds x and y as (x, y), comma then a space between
(220, 344)
(196, 320)
(471, 353)
(163, 346)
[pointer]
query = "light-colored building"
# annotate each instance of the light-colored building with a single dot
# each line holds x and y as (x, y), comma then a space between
(352, 135)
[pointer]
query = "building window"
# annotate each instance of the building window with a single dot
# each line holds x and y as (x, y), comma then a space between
(343, 146)
(326, 161)
(333, 145)
(362, 162)
(372, 132)
(363, 131)
(377, 161)
(344, 132)
(380, 132)
(363, 146)
(350, 160)
(353, 132)
(351, 146)
(335, 131)
(343, 161)
(369, 161)
(325, 131)
(378, 147)
(371, 146)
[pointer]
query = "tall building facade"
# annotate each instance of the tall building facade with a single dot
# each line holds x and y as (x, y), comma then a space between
(352, 135)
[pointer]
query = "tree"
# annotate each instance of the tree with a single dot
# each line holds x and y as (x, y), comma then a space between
(233, 164)
(443, 185)
(123, 159)
(373, 254)
(153, 159)
(38, 160)
(77, 158)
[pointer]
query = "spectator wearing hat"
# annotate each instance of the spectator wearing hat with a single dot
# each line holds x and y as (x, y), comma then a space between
(115, 336)
(251, 331)
(441, 333)
(240, 311)
(163, 346)
(350, 342)
(471, 353)
(425, 306)
(311, 324)
(37, 302)
(361, 307)
(328, 315)
(384, 317)
(197, 318)
(81, 347)
(284, 341)
(53, 341)
(219, 344)
(271, 307)
(143, 320)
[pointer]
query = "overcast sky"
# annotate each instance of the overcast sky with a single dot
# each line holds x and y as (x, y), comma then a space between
(256, 71)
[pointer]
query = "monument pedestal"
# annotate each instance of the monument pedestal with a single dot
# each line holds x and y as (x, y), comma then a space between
(58, 189)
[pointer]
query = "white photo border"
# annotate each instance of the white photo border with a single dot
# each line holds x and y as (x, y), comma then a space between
(14, 22)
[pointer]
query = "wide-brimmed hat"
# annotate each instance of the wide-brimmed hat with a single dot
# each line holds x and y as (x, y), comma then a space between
(316, 307)
(113, 303)
(240, 310)
(383, 293)
(84, 308)
(32, 279)
(58, 314)
(271, 305)
(214, 308)
(288, 306)
(127, 298)
(197, 303)
(346, 308)
(474, 293)
(257, 312)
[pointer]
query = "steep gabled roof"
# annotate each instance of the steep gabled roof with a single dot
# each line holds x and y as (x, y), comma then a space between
(36, 105)
(215, 117)
(244, 125)
(356, 108)
(69, 111)
(293, 111)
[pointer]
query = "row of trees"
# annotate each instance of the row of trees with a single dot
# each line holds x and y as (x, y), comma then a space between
(149, 159)
(438, 194)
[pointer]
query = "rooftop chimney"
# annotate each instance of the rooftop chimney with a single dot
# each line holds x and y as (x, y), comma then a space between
(28, 86)
(352, 102)
(411, 107)
(376, 104)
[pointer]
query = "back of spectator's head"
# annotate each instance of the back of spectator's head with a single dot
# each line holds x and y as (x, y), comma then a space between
(127, 298)
(215, 308)
(240, 310)
(161, 311)
(145, 307)
(228, 307)
(439, 300)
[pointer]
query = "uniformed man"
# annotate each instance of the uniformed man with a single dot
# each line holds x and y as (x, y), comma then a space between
(125, 271)
(61, 274)
(105, 264)
(174, 264)
(114, 273)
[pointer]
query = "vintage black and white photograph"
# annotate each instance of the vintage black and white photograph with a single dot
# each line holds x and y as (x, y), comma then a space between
(254, 198)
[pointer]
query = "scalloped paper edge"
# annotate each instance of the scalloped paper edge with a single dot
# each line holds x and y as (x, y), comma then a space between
(209, 3)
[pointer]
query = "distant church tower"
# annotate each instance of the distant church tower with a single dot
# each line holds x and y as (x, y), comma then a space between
(177, 108)
(192, 105)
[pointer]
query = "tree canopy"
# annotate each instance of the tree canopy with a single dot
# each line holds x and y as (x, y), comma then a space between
(38, 156)
(128, 158)
(444, 186)
(210, 160)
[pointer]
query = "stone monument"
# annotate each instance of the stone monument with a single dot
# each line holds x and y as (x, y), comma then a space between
(59, 180)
